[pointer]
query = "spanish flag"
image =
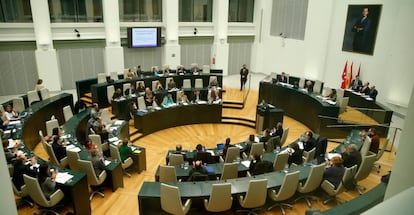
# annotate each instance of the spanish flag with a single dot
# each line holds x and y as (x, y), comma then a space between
(349, 79)
(343, 84)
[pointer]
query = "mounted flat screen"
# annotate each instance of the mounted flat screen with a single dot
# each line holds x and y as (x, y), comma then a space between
(145, 37)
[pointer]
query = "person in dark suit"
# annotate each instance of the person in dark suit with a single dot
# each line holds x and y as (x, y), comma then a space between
(203, 156)
(130, 91)
(197, 96)
(361, 29)
(149, 97)
(266, 136)
(21, 168)
(277, 131)
(375, 140)
(373, 93)
(244, 72)
(181, 70)
(356, 84)
(139, 72)
(198, 172)
(308, 141)
(335, 171)
(227, 145)
(259, 166)
(282, 78)
(352, 156)
(365, 89)
(295, 154)
(141, 87)
(10, 154)
(179, 151)
(171, 84)
(194, 69)
(117, 94)
(249, 143)
(58, 148)
(97, 162)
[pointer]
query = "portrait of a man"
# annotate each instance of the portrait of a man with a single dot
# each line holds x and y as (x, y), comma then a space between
(361, 28)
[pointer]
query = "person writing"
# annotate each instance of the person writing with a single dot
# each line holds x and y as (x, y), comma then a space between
(21, 167)
(244, 72)
(295, 154)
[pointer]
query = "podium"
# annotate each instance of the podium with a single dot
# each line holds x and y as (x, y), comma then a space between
(267, 117)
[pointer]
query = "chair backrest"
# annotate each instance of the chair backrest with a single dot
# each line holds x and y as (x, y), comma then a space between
(365, 168)
(220, 198)
(52, 156)
(309, 156)
(211, 79)
(284, 136)
(50, 125)
(105, 116)
(167, 80)
(339, 94)
(381, 152)
(280, 162)
(67, 112)
(126, 73)
(43, 140)
(154, 85)
(167, 174)
(186, 84)
(73, 158)
(36, 192)
(101, 78)
(87, 168)
(256, 194)
(96, 138)
(317, 87)
(137, 83)
(288, 188)
(232, 154)
(32, 96)
(125, 87)
(229, 171)
(114, 76)
(206, 69)
(343, 102)
(18, 104)
(171, 199)
(365, 147)
(1, 108)
(44, 92)
(198, 83)
(141, 103)
(301, 83)
(110, 92)
(176, 159)
(315, 178)
(114, 152)
(348, 176)
(257, 148)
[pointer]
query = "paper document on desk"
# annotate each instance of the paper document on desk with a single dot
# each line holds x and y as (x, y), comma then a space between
(107, 162)
(63, 177)
(331, 155)
(201, 102)
(210, 151)
(16, 122)
(118, 122)
(246, 163)
(239, 146)
(73, 148)
(331, 102)
(113, 140)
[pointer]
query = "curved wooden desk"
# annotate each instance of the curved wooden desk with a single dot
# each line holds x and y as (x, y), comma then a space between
(155, 120)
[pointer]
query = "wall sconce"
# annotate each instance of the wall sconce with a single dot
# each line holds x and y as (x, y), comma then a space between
(77, 33)
(195, 31)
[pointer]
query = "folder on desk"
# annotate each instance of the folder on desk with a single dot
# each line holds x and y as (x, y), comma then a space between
(137, 151)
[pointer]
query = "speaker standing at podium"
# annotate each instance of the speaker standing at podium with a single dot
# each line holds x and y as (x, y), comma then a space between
(243, 76)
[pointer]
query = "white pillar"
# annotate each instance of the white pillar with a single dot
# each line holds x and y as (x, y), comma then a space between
(220, 49)
(46, 58)
(7, 202)
(172, 51)
(114, 53)
(256, 60)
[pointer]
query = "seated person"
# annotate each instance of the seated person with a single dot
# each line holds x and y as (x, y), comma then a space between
(295, 154)
(335, 171)
(130, 91)
(365, 89)
(194, 69)
(130, 74)
(141, 87)
(332, 95)
(282, 78)
(117, 94)
(309, 86)
(181, 70)
(100, 128)
(202, 155)
(10, 114)
(97, 162)
(149, 97)
(59, 148)
(308, 141)
(139, 71)
(351, 156)
(159, 87)
(3, 121)
(10, 154)
(375, 140)
(125, 150)
(79, 106)
(179, 151)
(55, 132)
(46, 180)
(95, 111)
(277, 131)
(213, 95)
(226, 147)
(259, 166)
(198, 172)
(356, 84)
(213, 82)
(39, 85)
(249, 143)
(21, 168)
(373, 93)
(155, 71)
(133, 108)
(265, 137)
(89, 145)
(196, 96)
(166, 70)
(171, 84)
(182, 98)
(168, 100)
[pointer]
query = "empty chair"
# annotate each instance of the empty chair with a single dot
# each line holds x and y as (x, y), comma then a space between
(281, 160)
(167, 174)
(330, 189)
(141, 103)
(365, 147)
(22, 193)
(176, 159)
(18, 104)
(186, 84)
(32, 97)
(154, 85)
(44, 93)
(50, 125)
(308, 156)
(286, 191)
(110, 92)
(67, 113)
(364, 170)
(114, 76)
(62, 163)
(339, 93)
(220, 198)
(272, 143)
(37, 195)
(101, 78)
(257, 148)
(255, 196)
(284, 136)
(125, 87)
(93, 179)
(232, 154)
(312, 183)
(198, 83)
(115, 155)
(43, 140)
(377, 166)
(73, 158)
(342, 102)
(171, 200)
(106, 117)
(317, 87)
(301, 83)
(206, 69)
(96, 138)
(229, 171)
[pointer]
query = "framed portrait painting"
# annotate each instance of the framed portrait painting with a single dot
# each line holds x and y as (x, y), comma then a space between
(361, 28)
